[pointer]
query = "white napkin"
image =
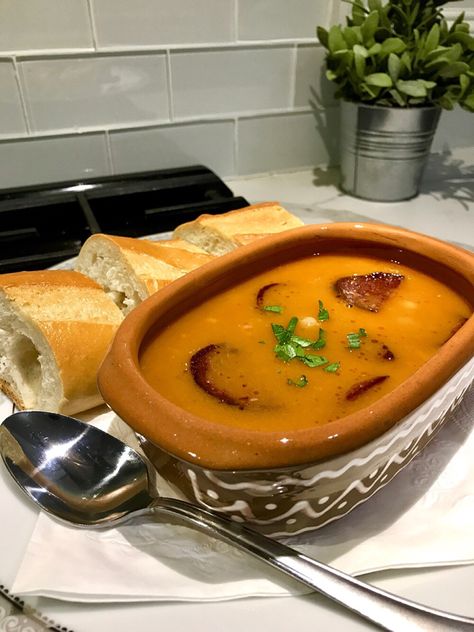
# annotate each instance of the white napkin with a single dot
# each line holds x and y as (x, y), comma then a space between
(424, 517)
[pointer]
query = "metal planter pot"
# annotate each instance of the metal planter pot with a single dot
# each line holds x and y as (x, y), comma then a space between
(384, 150)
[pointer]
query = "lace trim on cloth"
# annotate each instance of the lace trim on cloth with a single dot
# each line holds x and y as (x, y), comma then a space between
(18, 616)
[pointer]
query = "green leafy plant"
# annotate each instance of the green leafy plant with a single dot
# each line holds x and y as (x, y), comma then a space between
(401, 53)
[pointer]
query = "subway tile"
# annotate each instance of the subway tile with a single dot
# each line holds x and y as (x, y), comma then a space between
(280, 19)
(207, 143)
(225, 81)
(288, 141)
(44, 25)
(311, 86)
(11, 114)
(75, 93)
(158, 22)
(53, 159)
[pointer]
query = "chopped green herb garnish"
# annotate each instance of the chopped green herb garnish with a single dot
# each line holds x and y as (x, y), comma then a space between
(300, 382)
(302, 342)
(353, 339)
(321, 341)
(323, 313)
(285, 352)
(333, 367)
(312, 360)
(284, 334)
(290, 346)
(273, 308)
(279, 332)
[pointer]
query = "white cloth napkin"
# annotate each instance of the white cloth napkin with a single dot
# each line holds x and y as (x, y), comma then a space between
(424, 517)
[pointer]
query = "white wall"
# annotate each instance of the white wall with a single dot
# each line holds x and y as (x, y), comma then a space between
(97, 87)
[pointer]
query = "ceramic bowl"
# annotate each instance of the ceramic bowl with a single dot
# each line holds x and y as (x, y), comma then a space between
(314, 480)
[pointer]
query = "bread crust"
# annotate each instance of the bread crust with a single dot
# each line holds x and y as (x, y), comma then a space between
(219, 234)
(68, 314)
(46, 278)
(178, 256)
(12, 395)
(144, 266)
(71, 316)
(78, 348)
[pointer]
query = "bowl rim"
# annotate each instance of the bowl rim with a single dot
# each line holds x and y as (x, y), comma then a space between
(210, 445)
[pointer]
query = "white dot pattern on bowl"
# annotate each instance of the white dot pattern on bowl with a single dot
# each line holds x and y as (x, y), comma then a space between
(316, 495)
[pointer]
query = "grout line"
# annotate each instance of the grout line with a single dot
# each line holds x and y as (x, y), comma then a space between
(236, 20)
(40, 54)
(293, 66)
(108, 153)
(236, 145)
(19, 83)
(48, 136)
(164, 123)
(27, 55)
(92, 24)
(169, 82)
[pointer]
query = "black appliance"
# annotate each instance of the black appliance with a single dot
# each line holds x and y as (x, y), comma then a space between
(45, 224)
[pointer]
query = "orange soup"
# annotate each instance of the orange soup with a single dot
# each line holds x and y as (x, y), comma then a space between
(304, 343)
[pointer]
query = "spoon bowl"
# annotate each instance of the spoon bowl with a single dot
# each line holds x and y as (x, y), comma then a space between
(88, 478)
(72, 470)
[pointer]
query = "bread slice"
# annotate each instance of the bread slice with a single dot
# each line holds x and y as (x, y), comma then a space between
(219, 234)
(55, 328)
(131, 269)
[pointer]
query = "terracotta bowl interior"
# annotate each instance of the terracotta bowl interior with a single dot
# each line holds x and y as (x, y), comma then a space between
(213, 446)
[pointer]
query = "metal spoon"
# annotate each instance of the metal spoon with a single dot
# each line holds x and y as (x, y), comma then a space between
(86, 477)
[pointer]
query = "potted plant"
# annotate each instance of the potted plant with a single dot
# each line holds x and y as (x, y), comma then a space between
(397, 64)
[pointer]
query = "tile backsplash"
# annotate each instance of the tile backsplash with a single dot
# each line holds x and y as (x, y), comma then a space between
(97, 87)
(94, 92)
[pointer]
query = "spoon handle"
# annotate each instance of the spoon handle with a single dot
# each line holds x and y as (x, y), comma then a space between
(388, 611)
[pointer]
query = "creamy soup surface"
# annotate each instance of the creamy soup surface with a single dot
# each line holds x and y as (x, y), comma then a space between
(283, 350)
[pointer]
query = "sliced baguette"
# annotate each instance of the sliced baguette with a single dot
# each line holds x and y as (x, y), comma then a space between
(55, 328)
(131, 269)
(219, 234)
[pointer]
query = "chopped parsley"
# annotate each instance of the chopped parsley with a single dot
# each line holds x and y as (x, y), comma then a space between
(354, 339)
(312, 360)
(290, 346)
(319, 343)
(300, 382)
(284, 334)
(285, 352)
(323, 313)
(273, 308)
(333, 367)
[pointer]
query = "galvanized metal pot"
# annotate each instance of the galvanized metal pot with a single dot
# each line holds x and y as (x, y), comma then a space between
(384, 150)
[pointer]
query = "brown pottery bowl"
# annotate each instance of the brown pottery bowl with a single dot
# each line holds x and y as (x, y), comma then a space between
(317, 474)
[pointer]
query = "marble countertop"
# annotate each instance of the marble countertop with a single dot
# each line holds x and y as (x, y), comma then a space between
(444, 208)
